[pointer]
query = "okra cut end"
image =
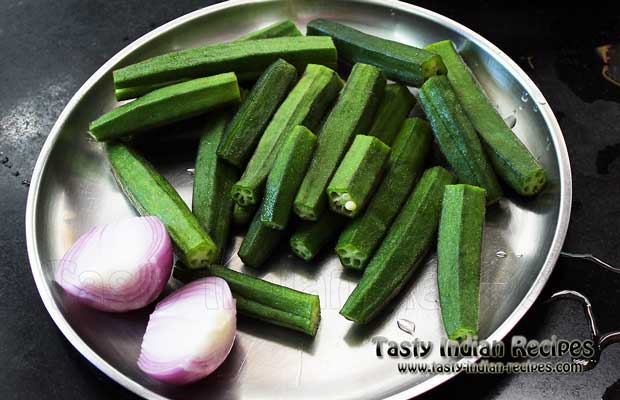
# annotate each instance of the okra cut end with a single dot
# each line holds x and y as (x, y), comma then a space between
(306, 213)
(300, 249)
(433, 66)
(243, 196)
(534, 183)
(315, 316)
(462, 334)
(351, 257)
(342, 202)
(201, 256)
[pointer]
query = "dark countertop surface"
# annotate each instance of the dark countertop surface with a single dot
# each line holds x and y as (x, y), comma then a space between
(49, 48)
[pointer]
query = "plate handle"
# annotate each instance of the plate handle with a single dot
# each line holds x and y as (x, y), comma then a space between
(601, 341)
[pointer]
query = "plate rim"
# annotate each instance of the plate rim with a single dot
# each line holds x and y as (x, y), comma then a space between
(516, 71)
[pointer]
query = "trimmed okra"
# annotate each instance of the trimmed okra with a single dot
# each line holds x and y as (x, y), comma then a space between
(305, 105)
(247, 126)
(213, 179)
(362, 236)
(402, 250)
(312, 236)
(285, 177)
(352, 115)
(512, 161)
(357, 175)
(458, 258)
(457, 137)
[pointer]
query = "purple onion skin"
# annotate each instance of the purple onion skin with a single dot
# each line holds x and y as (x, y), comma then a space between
(130, 288)
(189, 368)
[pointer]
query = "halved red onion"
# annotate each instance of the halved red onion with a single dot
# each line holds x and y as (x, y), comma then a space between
(120, 266)
(190, 333)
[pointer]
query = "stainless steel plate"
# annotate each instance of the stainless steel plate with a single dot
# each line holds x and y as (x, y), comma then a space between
(72, 189)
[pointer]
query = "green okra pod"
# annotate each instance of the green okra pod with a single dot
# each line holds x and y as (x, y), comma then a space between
(352, 115)
(167, 105)
(259, 243)
(248, 59)
(285, 177)
(402, 250)
(399, 62)
(247, 126)
(305, 105)
(213, 179)
(457, 137)
(151, 194)
(511, 160)
(264, 300)
(310, 237)
(357, 175)
(363, 235)
(459, 246)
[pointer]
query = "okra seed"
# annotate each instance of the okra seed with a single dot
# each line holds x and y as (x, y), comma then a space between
(350, 205)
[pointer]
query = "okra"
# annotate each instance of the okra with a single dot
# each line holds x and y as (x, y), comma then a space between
(312, 236)
(459, 245)
(512, 161)
(242, 215)
(213, 179)
(248, 124)
(283, 28)
(402, 250)
(395, 105)
(248, 59)
(285, 177)
(166, 105)
(357, 175)
(352, 115)
(362, 236)
(399, 62)
(305, 105)
(259, 243)
(151, 194)
(279, 29)
(457, 137)
(263, 300)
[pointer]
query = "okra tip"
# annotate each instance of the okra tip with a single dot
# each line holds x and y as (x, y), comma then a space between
(534, 183)
(300, 250)
(243, 196)
(351, 256)
(304, 212)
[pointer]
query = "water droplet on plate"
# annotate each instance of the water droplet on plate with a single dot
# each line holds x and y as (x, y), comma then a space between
(15, 173)
(535, 109)
(519, 255)
(525, 97)
(4, 160)
(406, 326)
(501, 254)
(26, 182)
(511, 121)
(191, 171)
